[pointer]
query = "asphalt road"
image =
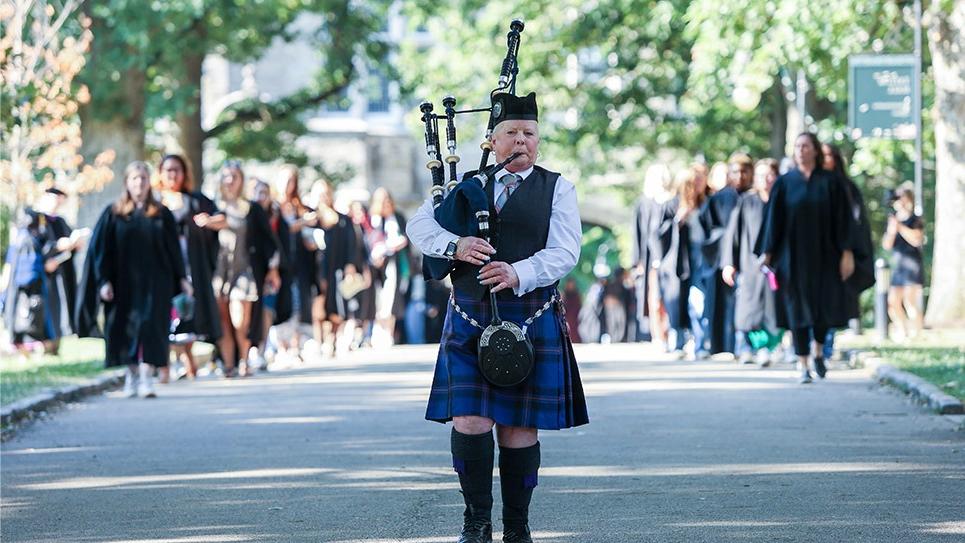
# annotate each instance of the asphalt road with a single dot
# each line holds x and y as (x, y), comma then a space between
(339, 452)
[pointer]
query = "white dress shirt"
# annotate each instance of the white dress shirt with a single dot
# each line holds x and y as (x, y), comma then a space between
(544, 268)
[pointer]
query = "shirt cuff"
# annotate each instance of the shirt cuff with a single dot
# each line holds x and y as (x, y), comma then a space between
(527, 277)
(441, 243)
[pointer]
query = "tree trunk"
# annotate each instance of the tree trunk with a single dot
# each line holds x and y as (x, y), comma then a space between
(190, 132)
(946, 34)
(121, 130)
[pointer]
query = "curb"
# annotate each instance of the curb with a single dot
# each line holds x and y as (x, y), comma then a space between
(920, 390)
(41, 401)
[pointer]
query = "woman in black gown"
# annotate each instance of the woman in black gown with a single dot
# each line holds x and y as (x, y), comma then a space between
(275, 305)
(864, 267)
(199, 247)
(755, 311)
(300, 253)
(134, 267)
(329, 308)
(806, 237)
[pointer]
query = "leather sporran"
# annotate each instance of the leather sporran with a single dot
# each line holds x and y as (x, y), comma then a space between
(506, 355)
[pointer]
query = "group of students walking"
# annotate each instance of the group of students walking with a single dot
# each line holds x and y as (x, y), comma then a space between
(169, 266)
(732, 267)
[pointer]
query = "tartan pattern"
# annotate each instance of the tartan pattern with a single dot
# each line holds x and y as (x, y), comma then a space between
(550, 399)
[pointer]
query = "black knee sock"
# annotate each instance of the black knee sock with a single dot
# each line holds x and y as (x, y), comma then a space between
(472, 459)
(518, 477)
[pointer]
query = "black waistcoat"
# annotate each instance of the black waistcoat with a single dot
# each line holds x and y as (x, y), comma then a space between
(518, 231)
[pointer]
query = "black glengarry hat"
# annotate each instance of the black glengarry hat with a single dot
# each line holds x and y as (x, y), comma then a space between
(507, 107)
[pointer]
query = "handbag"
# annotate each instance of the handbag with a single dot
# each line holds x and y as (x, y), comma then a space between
(351, 285)
(30, 311)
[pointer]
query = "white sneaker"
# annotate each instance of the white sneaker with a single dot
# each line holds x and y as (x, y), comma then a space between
(145, 388)
(805, 374)
(746, 357)
(762, 358)
(255, 360)
(130, 384)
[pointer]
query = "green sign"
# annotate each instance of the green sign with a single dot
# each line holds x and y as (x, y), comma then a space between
(881, 96)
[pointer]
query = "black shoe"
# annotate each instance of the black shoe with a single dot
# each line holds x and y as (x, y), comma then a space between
(517, 534)
(819, 367)
(476, 531)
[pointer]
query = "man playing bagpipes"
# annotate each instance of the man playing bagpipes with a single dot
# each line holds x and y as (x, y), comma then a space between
(518, 374)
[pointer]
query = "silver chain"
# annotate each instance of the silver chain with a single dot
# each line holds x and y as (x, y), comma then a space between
(527, 322)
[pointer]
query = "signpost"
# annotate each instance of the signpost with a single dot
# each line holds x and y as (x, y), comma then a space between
(884, 99)
(882, 96)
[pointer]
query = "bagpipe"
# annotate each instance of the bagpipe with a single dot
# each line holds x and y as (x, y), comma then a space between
(505, 353)
(462, 207)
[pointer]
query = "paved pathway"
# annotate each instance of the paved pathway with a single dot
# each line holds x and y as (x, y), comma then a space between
(676, 451)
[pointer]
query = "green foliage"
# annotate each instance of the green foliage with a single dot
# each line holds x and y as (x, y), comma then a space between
(668, 76)
(599, 254)
(158, 41)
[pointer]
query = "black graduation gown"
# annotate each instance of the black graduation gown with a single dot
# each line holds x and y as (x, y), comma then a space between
(262, 243)
(645, 224)
(339, 251)
(807, 226)
(864, 251)
(63, 282)
(719, 297)
(202, 253)
(141, 258)
(304, 272)
(674, 274)
(362, 306)
(752, 310)
(282, 230)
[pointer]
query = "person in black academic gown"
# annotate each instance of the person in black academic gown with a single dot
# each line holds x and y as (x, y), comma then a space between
(806, 237)
(329, 308)
(134, 267)
(644, 224)
(361, 307)
(199, 248)
(274, 306)
(755, 307)
(674, 265)
(864, 266)
(300, 251)
(62, 244)
(714, 217)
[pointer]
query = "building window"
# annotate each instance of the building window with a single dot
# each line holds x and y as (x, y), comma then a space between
(377, 92)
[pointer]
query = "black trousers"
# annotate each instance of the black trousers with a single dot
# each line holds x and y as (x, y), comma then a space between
(802, 338)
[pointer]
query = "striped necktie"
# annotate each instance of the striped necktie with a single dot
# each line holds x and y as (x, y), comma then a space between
(509, 182)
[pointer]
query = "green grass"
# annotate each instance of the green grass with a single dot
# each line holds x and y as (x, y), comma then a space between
(79, 361)
(941, 366)
(938, 356)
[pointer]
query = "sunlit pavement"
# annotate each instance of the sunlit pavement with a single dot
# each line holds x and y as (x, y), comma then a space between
(339, 452)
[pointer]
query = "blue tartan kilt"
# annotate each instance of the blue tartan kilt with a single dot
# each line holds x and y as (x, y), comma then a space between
(550, 399)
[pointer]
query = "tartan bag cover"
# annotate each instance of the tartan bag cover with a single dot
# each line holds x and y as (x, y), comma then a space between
(550, 399)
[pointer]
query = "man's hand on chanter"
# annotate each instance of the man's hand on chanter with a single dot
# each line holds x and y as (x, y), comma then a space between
(474, 250)
(500, 274)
